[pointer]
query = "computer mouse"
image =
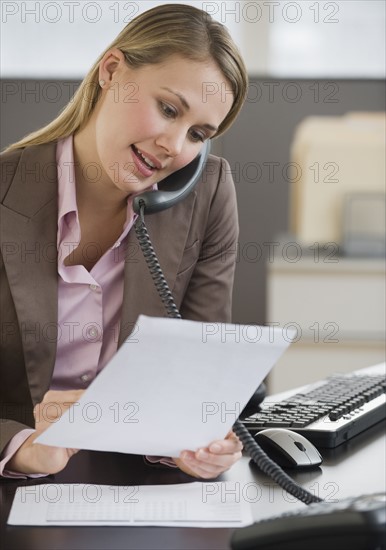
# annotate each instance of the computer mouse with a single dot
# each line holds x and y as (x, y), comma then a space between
(288, 448)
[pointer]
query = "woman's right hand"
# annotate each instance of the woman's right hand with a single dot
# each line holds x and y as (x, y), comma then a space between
(35, 458)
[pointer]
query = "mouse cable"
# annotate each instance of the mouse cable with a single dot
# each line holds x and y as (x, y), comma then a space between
(263, 461)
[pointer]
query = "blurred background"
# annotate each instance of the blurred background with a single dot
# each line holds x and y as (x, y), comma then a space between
(307, 156)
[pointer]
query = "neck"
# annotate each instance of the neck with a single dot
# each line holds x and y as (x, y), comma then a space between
(94, 188)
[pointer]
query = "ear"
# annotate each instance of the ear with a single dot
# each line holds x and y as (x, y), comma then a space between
(112, 65)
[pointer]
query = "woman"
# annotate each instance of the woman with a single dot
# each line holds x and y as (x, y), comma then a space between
(73, 280)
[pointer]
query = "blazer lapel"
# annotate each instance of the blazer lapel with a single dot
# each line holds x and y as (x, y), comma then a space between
(140, 295)
(29, 228)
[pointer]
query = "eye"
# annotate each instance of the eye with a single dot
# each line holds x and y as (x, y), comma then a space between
(167, 110)
(197, 136)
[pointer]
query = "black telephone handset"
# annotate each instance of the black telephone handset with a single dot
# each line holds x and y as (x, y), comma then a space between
(175, 187)
(357, 523)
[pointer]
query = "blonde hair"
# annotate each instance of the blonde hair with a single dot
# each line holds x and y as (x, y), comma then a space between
(151, 37)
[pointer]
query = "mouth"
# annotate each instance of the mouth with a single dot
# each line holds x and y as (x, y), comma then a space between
(146, 164)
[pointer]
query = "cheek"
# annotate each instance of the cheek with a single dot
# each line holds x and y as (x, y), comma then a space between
(144, 121)
(122, 124)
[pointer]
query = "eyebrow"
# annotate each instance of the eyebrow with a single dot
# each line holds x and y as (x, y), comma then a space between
(187, 107)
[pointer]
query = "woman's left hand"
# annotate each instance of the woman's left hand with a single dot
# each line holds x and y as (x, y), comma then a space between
(209, 462)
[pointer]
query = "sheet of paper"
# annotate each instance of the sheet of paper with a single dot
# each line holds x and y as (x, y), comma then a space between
(184, 505)
(173, 385)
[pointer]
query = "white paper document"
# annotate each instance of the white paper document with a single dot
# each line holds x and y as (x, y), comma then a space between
(184, 505)
(173, 385)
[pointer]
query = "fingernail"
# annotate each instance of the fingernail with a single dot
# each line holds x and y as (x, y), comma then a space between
(215, 447)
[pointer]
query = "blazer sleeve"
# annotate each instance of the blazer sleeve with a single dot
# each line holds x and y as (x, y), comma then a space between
(208, 296)
(16, 405)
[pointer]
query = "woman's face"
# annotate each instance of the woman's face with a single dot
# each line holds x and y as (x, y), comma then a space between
(153, 120)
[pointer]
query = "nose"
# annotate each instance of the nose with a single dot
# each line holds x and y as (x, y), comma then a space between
(172, 142)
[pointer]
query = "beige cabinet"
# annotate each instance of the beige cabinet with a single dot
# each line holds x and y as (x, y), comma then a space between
(335, 305)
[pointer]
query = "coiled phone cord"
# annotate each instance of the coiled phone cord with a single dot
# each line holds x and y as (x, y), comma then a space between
(265, 464)
(269, 467)
(154, 266)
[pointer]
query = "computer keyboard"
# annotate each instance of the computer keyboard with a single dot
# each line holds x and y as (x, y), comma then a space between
(328, 412)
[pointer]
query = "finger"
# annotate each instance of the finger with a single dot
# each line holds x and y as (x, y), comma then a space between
(210, 462)
(54, 404)
(54, 396)
(50, 411)
(197, 468)
(232, 436)
(72, 452)
(219, 460)
(226, 446)
(211, 469)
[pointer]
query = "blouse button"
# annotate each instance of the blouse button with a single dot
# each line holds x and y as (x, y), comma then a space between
(92, 331)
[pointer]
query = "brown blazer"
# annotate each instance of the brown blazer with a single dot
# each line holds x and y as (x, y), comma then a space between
(195, 242)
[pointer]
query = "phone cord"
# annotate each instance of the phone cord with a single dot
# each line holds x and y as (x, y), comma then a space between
(154, 266)
(266, 465)
(269, 467)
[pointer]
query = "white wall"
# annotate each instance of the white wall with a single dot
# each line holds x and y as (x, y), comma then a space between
(62, 38)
